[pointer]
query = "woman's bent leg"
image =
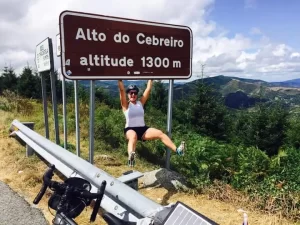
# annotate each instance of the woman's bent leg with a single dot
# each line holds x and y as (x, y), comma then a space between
(153, 133)
(132, 139)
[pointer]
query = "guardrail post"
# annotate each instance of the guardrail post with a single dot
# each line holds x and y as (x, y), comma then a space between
(29, 150)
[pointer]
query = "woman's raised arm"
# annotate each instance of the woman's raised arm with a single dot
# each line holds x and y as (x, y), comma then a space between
(146, 93)
(124, 103)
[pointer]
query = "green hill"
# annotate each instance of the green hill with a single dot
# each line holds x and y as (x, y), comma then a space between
(241, 92)
(237, 92)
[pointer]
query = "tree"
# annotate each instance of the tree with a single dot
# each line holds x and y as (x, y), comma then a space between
(1, 85)
(58, 86)
(158, 98)
(28, 84)
(208, 113)
(292, 132)
(263, 127)
(270, 122)
(9, 79)
(102, 95)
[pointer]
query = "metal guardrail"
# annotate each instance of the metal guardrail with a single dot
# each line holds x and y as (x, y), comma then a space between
(120, 199)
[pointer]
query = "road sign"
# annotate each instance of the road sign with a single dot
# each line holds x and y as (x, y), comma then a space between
(43, 55)
(58, 48)
(103, 47)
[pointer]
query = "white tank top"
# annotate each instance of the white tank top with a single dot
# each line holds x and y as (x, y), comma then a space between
(135, 115)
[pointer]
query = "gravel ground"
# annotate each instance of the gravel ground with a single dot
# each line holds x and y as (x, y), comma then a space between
(15, 210)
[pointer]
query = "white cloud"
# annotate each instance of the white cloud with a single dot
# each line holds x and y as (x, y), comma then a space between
(209, 48)
(265, 62)
(295, 55)
(281, 50)
(246, 56)
(16, 57)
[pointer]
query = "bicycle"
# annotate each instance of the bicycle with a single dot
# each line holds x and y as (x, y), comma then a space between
(69, 198)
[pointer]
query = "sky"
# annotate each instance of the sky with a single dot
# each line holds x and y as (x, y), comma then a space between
(256, 39)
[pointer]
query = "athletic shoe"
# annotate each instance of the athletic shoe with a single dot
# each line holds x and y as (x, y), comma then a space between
(180, 149)
(131, 160)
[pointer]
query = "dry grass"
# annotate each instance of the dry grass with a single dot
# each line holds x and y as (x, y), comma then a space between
(225, 214)
(24, 176)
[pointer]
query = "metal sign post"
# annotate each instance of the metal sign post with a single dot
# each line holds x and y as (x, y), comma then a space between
(44, 62)
(77, 118)
(65, 111)
(45, 107)
(54, 106)
(53, 91)
(64, 97)
(169, 120)
(92, 116)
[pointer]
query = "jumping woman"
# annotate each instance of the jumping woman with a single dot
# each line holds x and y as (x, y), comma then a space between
(135, 127)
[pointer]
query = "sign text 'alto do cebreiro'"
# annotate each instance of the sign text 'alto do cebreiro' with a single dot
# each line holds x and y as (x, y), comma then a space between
(102, 47)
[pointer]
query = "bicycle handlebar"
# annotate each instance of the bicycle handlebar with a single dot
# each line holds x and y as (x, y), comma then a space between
(46, 181)
(98, 201)
(68, 191)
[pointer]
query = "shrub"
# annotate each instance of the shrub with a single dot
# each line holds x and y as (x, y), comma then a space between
(205, 161)
(109, 124)
(251, 166)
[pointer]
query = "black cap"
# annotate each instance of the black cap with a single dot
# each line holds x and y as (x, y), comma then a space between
(132, 87)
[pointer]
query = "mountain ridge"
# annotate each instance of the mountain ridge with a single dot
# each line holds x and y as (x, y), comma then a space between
(235, 90)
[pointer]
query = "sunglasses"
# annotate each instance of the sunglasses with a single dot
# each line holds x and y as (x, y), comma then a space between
(132, 93)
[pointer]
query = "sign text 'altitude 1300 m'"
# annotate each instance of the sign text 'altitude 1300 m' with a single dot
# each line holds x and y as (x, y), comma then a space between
(102, 47)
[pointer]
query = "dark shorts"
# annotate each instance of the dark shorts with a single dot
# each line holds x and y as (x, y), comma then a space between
(140, 131)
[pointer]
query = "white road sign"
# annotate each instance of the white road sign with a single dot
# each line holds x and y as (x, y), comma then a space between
(43, 55)
(58, 48)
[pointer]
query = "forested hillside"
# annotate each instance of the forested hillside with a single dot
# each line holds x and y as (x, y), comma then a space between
(253, 148)
(236, 92)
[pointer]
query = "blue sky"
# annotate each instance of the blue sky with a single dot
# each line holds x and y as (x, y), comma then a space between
(277, 19)
(257, 39)
(276, 22)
